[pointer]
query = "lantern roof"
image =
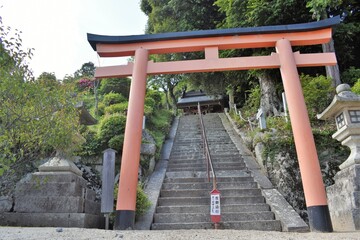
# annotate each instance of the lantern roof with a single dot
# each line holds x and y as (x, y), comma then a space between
(343, 99)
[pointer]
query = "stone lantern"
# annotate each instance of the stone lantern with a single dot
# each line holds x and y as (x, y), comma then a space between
(345, 108)
(344, 195)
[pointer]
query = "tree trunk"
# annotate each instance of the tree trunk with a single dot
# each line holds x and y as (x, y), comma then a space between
(332, 71)
(269, 102)
(172, 96)
(231, 99)
(167, 100)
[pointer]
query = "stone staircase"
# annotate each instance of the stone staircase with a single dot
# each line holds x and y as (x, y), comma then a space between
(184, 201)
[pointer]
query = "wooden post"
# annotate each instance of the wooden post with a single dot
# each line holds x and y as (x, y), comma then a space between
(107, 189)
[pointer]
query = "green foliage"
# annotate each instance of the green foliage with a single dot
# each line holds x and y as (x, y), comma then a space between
(92, 145)
(110, 126)
(142, 202)
(113, 98)
(117, 108)
(101, 109)
(87, 70)
(318, 93)
(150, 102)
(116, 85)
(351, 76)
(116, 142)
(35, 116)
(252, 103)
(159, 126)
(155, 96)
(356, 87)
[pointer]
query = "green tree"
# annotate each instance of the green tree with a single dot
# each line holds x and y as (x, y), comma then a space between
(36, 117)
(86, 70)
(252, 13)
(174, 16)
(323, 9)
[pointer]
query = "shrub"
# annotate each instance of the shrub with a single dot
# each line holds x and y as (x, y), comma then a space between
(150, 102)
(85, 84)
(101, 109)
(155, 95)
(148, 110)
(92, 144)
(252, 103)
(116, 85)
(142, 202)
(351, 75)
(356, 87)
(318, 93)
(111, 126)
(117, 108)
(113, 98)
(116, 142)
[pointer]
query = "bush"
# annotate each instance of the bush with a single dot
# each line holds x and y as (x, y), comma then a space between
(113, 98)
(318, 93)
(351, 76)
(111, 126)
(142, 202)
(117, 108)
(92, 144)
(252, 103)
(150, 102)
(101, 109)
(148, 110)
(85, 84)
(356, 87)
(116, 85)
(116, 142)
(155, 95)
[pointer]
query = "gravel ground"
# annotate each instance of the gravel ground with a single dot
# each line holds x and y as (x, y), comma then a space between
(81, 233)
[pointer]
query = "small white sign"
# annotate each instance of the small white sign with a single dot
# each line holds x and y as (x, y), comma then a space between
(215, 204)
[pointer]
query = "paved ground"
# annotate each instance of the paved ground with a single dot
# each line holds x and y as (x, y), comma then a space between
(7, 233)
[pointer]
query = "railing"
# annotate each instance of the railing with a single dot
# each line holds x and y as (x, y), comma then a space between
(209, 163)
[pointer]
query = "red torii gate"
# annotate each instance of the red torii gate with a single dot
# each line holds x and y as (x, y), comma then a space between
(281, 37)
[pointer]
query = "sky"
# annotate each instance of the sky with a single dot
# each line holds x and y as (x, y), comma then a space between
(57, 29)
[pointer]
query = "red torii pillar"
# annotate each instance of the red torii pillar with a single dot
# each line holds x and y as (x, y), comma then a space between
(126, 206)
(211, 42)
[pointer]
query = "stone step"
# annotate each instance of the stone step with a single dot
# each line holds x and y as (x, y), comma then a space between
(205, 180)
(203, 174)
(203, 168)
(208, 185)
(203, 164)
(205, 208)
(250, 192)
(187, 162)
(204, 217)
(213, 149)
(214, 156)
(188, 201)
(198, 139)
(269, 225)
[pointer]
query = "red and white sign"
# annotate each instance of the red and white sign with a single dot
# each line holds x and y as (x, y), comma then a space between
(215, 211)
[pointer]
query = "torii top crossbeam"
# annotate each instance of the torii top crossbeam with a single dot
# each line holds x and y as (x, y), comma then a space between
(211, 41)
